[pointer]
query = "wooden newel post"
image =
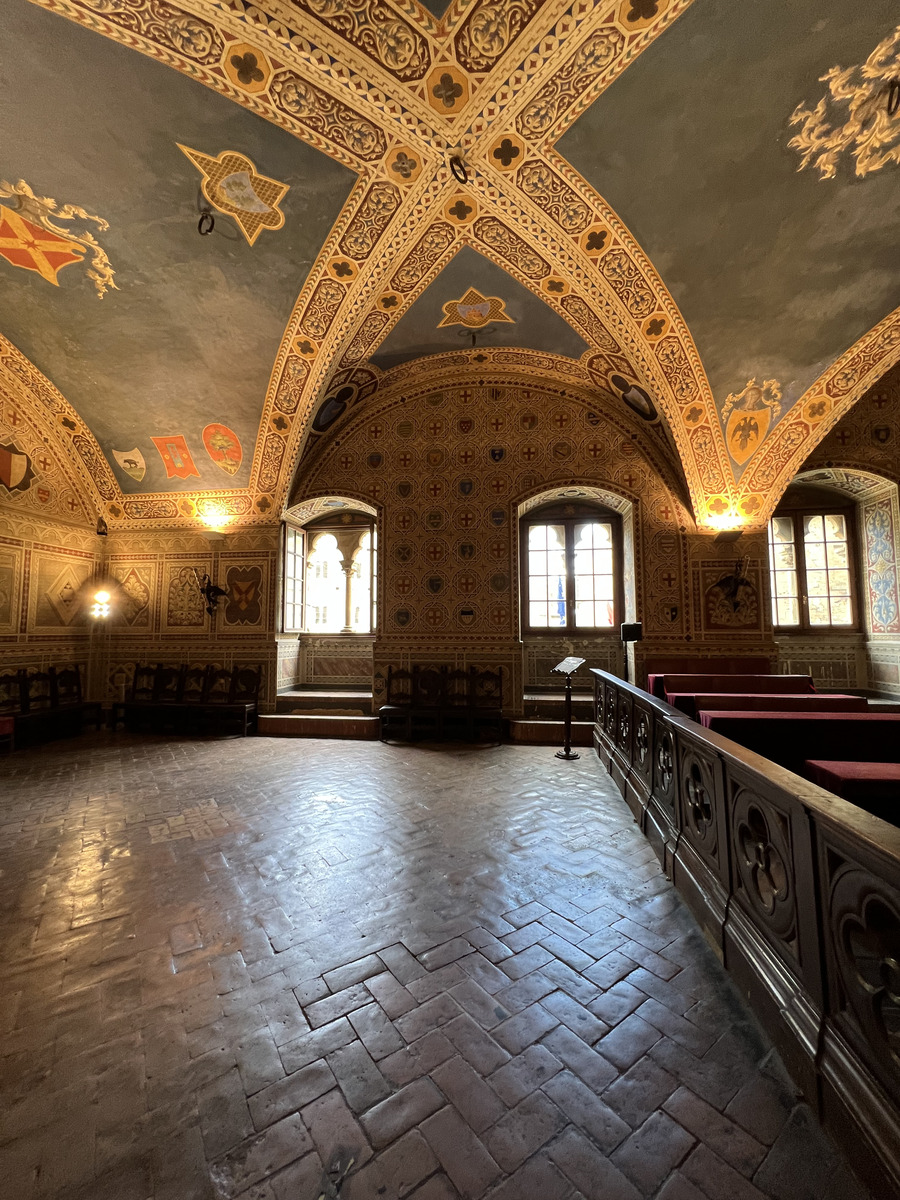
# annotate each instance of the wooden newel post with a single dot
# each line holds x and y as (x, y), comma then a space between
(568, 667)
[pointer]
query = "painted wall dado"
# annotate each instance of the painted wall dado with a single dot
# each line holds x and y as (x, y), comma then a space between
(160, 615)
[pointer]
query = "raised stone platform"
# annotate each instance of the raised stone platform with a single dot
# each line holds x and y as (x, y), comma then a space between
(311, 725)
(534, 732)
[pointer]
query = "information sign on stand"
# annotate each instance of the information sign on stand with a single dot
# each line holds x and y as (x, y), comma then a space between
(568, 667)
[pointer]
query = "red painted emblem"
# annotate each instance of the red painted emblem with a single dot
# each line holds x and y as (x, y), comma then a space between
(176, 456)
(223, 447)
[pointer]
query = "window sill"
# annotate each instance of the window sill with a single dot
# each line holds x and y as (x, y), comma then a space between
(334, 637)
(570, 635)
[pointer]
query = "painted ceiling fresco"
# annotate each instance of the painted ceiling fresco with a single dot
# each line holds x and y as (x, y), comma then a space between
(660, 200)
(187, 328)
(776, 270)
(517, 317)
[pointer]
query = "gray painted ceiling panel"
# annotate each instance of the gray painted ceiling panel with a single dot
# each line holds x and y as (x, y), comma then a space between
(189, 337)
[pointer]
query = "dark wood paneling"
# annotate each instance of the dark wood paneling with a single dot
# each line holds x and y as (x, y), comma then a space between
(800, 893)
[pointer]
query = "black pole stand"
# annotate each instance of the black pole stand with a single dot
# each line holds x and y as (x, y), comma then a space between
(567, 751)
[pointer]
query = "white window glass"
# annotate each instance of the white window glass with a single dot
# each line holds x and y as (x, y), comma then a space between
(593, 573)
(827, 577)
(814, 590)
(547, 576)
(783, 572)
(324, 586)
(293, 579)
(361, 586)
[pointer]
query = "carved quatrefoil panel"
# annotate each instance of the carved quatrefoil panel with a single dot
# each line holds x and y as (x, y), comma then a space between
(864, 927)
(762, 855)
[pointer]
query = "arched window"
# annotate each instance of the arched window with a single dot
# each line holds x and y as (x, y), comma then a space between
(571, 569)
(812, 564)
(330, 588)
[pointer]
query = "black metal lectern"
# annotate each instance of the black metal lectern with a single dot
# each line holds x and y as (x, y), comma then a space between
(568, 667)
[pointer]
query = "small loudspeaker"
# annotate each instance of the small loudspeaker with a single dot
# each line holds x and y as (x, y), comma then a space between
(633, 632)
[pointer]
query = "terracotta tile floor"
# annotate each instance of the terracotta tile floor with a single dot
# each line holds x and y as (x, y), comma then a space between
(294, 970)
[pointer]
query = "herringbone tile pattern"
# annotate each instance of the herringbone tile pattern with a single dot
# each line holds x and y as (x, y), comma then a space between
(288, 970)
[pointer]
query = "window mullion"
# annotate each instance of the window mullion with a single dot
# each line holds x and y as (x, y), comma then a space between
(800, 560)
(570, 575)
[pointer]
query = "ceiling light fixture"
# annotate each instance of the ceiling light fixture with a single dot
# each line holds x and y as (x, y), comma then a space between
(458, 168)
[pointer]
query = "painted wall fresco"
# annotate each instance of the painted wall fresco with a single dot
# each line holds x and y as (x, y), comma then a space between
(868, 437)
(44, 565)
(879, 520)
(159, 615)
(448, 468)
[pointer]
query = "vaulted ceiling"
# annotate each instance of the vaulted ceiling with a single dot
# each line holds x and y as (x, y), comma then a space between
(223, 225)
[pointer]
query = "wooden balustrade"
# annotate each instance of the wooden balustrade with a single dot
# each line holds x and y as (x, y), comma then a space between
(798, 890)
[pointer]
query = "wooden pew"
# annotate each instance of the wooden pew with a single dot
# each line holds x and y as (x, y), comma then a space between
(691, 703)
(874, 786)
(437, 703)
(191, 699)
(790, 738)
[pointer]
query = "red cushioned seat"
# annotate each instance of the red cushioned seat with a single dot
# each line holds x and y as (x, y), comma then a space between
(7, 729)
(658, 665)
(852, 779)
(693, 702)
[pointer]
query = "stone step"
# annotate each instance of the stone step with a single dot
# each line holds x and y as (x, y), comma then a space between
(550, 733)
(551, 706)
(318, 725)
(337, 702)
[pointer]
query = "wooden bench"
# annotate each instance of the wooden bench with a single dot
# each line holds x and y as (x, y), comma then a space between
(437, 702)
(658, 665)
(692, 703)
(874, 786)
(40, 706)
(749, 685)
(790, 738)
(193, 699)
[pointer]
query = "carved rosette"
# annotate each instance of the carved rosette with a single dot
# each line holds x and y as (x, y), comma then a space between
(624, 723)
(864, 928)
(762, 855)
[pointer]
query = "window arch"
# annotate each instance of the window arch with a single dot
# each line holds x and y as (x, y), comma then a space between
(330, 575)
(571, 557)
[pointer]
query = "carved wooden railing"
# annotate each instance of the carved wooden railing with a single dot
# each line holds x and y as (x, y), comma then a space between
(798, 890)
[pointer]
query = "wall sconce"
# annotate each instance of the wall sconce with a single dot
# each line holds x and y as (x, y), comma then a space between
(101, 607)
(210, 592)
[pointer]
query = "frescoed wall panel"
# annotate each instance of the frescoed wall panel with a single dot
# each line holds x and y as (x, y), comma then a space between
(880, 548)
(58, 591)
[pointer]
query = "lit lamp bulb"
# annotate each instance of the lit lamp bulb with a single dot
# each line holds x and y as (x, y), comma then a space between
(100, 607)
